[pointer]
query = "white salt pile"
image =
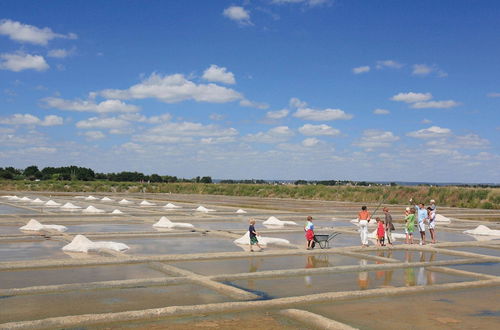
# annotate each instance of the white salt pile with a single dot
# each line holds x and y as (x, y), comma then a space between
(34, 225)
(82, 244)
(106, 199)
(124, 202)
(116, 211)
(273, 221)
(245, 240)
(241, 211)
(6, 196)
(52, 203)
(483, 230)
(164, 222)
(37, 201)
(79, 197)
(90, 198)
(203, 209)
(25, 199)
(70, 206)
(171, 206)
(442, 218)
(146, 203)
(92, 209)
(13, 198)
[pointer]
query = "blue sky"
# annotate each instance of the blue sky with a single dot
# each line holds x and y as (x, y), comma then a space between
(273, 89)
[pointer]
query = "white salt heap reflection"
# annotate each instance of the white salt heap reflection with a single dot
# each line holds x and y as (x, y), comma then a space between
(92, 209)
(125, 202)
(483, 231)
(34, 225)
(70, 206)
(106, 199)
(273, 221)
(82, 244)
(171, 206)
(164, 222)
(245, 240)
(146, 203)
(52, 203)
(116, 211)
(203, 209)
(241, 211)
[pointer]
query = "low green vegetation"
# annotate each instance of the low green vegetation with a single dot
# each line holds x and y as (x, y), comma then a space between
(468, 197)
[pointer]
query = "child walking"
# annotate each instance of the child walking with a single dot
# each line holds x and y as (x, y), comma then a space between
(309, 229)
(380, 232)
(410, 226)
(253, 235)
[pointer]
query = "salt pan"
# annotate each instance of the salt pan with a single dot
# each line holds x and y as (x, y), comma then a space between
(203, 209)
(124, 202)
(245, 240)
(146, 203)
(25, 199)
(171, 206)
(82, 244)
(34, 225)
(90, 198)
(442, 218)
(164, 222)
(116, 211)
(106, 199)
(483, 230)
(273, 221)
(13, 198)
(37, 201)
(52, 203)
(70, 206)
(241, 211)
(92, 209)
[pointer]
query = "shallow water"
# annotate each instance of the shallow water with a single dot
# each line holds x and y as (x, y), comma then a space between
(414, 256)
(31, 307)
(488, 268)
(479, 250)
(109, 227)
(256, 264)
(26, 278)
(8, 230)
(8, 209)
(30, 250)
(304, 285)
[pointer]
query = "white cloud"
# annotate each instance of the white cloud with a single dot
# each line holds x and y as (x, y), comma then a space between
(435, 104)
(135, 117)
(274, 135)
(251, 104)
(216, 116)
(411, 97)
(218, 74)
(373, 138)
(493, 95)
(361, 69)
(20, 61)
(322, 115)
(431, 132)
(277, 114)
(424, 70)
(381, 112)
(310, 3)
(172, 89)
(60, 53)
(238, 14)
(310, 142)
(459, 142)
(20, 32)
(389, 64)
(28, 119)
(296, 103)
(107, 106)
(426, 121)
(94, 135)
(103, 123)
(316, 130)
(41, 150)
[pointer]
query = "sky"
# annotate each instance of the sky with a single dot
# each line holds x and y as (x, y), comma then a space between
(266, 89)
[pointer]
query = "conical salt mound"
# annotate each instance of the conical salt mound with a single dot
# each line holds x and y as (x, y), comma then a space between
(92, 209)
(70, 206)
(116, 211)
(146, 203)
(82, 244)
(106, 199)
(483, 230)
(273, 221)
(203, 209)
(52, 203)
(171, 206)
(34, 225)
(241, 211)
(90, 198)
(25, 199)
(37, 201)
(442, 218)
(124, 202)
(13, 198)
(164, 222)
(245, 240)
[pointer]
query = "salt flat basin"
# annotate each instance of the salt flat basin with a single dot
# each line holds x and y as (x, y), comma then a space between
(9, 209)
(53, 276)
(109, 227)
(30, 250)
(221, 225)
(30, 307)
(462, 309)
(179, 245)
(480, 250)
(447, 236)
(488, 268)
(257, 263)
(299, 238)
(9, 230)
(414, 256)
(305, 285)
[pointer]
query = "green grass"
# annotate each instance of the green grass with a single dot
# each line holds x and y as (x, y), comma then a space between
(487, 198)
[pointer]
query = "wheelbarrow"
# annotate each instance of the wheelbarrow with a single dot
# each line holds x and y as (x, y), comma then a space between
(324, 240)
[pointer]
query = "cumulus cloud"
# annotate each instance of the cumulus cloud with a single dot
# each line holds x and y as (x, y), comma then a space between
(277, 114)
(218, 74)
(310, 142)
(423, 101)
(172, 89)
(252, 104)
(361, 69)
(296, 103)
(373, 138)
(381, 112)
(20, 32)
(412, 97)
(238, 14)
(94, 135)
(107, 106)
(28, 119)
(322, 115)
(424, 70)
(431, 132)
(435, 104)
(60, 53)
(103, 123)
(316, 130)
(20, 61)
(389, 64)
(274, 135)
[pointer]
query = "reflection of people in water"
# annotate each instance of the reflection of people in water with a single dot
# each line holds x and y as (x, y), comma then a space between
(254, 265)
(380, 273)
(311, 262)
(421, 278)
(409, 272)
(363, 276)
